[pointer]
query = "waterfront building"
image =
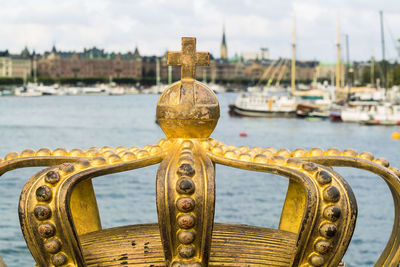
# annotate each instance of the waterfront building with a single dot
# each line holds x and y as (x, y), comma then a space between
(224, 48)
(15, 66)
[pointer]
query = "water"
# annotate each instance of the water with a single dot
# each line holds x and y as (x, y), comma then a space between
(85, 121)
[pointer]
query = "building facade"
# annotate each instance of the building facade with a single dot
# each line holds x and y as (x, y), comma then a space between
(15, 66)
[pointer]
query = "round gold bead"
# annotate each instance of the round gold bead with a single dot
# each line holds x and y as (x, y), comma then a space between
(60, 152)
(267, 153)
(108, 153)
(59, 259)
(42, 212)
(315, 152)
(349, 153)
(43, 193)
(186, 251)
(332, 213)
(11, 155)
(82, 163)
(76, 153)
(52, 177)
(206, 145)
(52, 246)
(187, 144)
(128, 156)
(185, 186)
(92, 152)
(134, 149)
(331, 194)
(186, 237)
(333, 151)
(43, 152)
(105, 148)
(328, 230)
(317, 260)
(283, 152)
(244, 149)
(142, 154)
(230, 154)
(154, 150)
(273, 150)
(120, 149)
(245, 157)
(27, 153)
(98, 161)
(186, 221)
(299, 152)
(46, 230)
(383, 162)
(217, 151)
(113, 159)
(260, 158)
(257, 149)
(366, 156)
(66, 168)
(232, 147)
(185, 204)
(322, 246)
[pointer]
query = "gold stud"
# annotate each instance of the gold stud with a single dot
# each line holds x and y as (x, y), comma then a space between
(349, 153)
(11, 156)
(381, 161)
(128, 156)
(28, 153)
(299, 152)
(333, 151)
(59, 152)
(142, 154)
(76, 153)
(98, 161)
(82, 163)
(43, 152)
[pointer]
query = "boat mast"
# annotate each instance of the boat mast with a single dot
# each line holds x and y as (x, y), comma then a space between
(293, 77)
(372, 74)
(383, 50)
(338, 63)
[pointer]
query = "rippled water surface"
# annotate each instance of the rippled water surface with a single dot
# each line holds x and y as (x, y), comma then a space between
(242, 197)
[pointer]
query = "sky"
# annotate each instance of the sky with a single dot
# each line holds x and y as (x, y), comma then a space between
(155, 26)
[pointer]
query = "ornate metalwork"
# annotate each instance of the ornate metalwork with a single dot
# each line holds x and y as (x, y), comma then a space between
(60, 220)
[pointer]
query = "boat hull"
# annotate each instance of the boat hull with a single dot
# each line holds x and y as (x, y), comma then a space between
(236, 111)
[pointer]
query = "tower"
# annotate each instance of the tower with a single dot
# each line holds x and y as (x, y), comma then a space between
(224, 49)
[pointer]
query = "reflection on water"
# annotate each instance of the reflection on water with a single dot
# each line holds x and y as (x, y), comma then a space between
(242, 197)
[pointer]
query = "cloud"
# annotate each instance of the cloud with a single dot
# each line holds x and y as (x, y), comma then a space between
(157, 25)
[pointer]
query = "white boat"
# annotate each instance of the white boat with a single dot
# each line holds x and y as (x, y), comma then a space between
(261, 105)
(94, 91)
(385, 114)
(25, 92)
(355, 113)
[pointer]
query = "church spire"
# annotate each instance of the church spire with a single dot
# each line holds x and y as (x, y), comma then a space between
(224, 49)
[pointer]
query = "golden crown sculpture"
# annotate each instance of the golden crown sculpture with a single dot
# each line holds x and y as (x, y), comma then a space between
(61, 224)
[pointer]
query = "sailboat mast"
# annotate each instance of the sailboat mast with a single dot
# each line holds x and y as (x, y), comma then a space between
(293, 77)
(338, 63)
(383, 49)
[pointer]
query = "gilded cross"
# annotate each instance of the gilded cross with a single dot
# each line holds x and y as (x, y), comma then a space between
(188, 58)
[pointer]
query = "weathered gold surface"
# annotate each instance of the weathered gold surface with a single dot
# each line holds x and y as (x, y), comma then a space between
(61, 224)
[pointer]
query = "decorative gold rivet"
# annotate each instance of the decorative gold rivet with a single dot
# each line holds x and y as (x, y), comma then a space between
(59, 152)
(185, 186)
(322, 246)
(185, 204)
(134, 149)
(46, 230)
(42, 212)
(92, 152)
(245, 157)
(315, 152)
(333, 151)
(277, 160)
(324, 177)
(108, 153)
(82, 163)
(186, 237)
(186, 221)
(317, 260)
(43, 152)
(98, 161)
(230, 154)
(257, 149)
(331, 194)
(186, 251)
(294, 162)
(299, 152)
(349, 153)
(244, 149)
(120, 149)
(328, 230)
(217, 151)
(52, 246)
(66, 167)
(59, 259)
(332, 213)
(52, 177)
(105, 148)
(283, 152)
(186, 170)
(43, 193)
(310, 166)
(155, 150)
(27, 153)
(260, 158)
(367, 156)
(383, 162)
(113, 159)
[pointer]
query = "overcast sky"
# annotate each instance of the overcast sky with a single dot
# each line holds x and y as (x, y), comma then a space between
(157, 25)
